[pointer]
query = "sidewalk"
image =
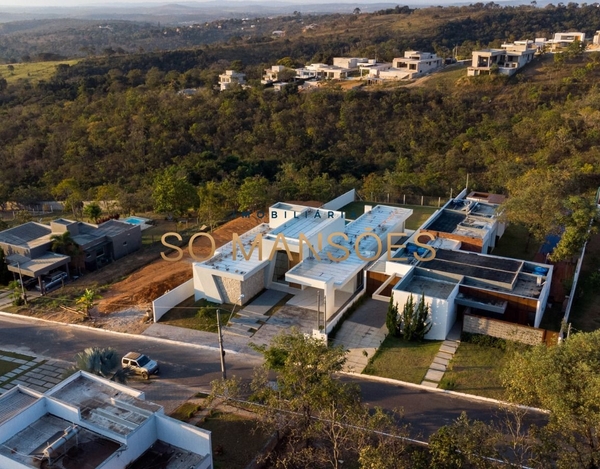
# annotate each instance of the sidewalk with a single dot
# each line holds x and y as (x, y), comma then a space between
(362, 334)
(442, 359)
(231, 343)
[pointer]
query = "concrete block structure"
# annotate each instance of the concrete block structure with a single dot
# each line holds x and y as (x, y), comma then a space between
(90, 422)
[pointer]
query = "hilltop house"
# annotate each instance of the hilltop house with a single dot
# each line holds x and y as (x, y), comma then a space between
(507, 60)
(231, 77)
(417, 63)
(563, 40)
(90, 422)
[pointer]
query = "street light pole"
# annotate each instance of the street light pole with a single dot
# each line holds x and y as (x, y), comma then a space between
(223, 373)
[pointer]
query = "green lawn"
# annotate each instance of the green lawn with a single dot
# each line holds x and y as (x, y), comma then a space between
(199, 315)
(16, 355)
(185, 411)
(7, 367)
(34, 72)
(513, 244)
(475, 369)
(402, 360)
(236, 440)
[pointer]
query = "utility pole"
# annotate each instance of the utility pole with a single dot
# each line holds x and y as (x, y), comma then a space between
(223, 373)
(21, 281)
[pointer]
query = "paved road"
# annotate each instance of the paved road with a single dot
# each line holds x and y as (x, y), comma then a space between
(186, 369)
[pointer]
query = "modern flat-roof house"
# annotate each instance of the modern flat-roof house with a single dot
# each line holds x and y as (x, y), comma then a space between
(417, 63)
(472, 221)
(28, 247)
(510, 58)
(351, 63)
(324, 71)
(562, 40)
(455, 274)
(326, 262)
(231, 77)
(302, 247)
(271, 74)
(89, 422)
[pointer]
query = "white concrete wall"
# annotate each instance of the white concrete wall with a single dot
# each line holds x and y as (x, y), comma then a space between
(443, 312)
(184, 436)
(543, 298)
(205, 285)
(6, 463)
(138, 442)
(340, 201)
(172, 298)
(63, 410)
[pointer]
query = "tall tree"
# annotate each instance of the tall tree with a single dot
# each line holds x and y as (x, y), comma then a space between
(211, 209)
(566, 381)
(254, 193)
(172, 193)
(321, 418)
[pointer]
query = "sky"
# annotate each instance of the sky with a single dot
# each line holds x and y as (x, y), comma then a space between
(72, 3)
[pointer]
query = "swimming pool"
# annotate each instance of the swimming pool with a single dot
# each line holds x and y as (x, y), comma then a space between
(136, 220)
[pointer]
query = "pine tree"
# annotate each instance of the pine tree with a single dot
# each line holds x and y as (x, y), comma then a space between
(391, 320)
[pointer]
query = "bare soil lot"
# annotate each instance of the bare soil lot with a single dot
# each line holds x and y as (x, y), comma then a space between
(129, 285)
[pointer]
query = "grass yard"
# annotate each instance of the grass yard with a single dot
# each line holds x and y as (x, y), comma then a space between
(475, 369)
(513, 244)
(236, 440)
(15, 355)
(33, 72)
(199, 315)
(185, 411)
(402, 360)
(7, 367)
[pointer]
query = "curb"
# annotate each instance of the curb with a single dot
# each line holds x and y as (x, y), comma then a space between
(456, 394)
(123, 334)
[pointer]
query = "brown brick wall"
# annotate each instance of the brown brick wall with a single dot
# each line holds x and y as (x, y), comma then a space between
(503, 330)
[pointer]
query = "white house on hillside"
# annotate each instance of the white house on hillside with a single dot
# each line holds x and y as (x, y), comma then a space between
(416, 63)
(507, 60)
(231, 77)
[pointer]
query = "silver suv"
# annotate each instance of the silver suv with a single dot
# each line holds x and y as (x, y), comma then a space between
(140, 364)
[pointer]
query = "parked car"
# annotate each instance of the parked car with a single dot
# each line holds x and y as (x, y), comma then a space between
(140, 364)
(53, 281)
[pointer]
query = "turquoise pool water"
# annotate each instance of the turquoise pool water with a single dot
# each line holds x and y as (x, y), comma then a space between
(135, 220)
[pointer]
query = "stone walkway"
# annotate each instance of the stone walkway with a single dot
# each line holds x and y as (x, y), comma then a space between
(440, 362)
(362, 334)
(39, 374)
(249, 319)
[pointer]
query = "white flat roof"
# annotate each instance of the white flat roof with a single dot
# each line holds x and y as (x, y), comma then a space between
(309, 221)
(223, 260)
(380, 221)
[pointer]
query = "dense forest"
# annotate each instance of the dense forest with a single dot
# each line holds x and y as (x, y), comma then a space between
(109, 127)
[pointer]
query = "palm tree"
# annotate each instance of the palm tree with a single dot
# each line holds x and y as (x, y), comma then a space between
(63, 243)
(103, 362)
(88, 300)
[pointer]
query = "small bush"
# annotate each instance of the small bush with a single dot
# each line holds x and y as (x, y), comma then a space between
(484, 340)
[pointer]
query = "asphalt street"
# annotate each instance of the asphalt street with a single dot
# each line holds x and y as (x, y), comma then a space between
(186, 369)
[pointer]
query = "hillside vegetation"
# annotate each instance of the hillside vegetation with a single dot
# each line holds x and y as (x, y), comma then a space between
(113, 124)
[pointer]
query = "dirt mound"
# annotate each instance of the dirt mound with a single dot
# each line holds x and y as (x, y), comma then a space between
(143, 286)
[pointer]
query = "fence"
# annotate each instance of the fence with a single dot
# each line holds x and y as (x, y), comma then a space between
(507, 330)
(407, 199)
(172, 298)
